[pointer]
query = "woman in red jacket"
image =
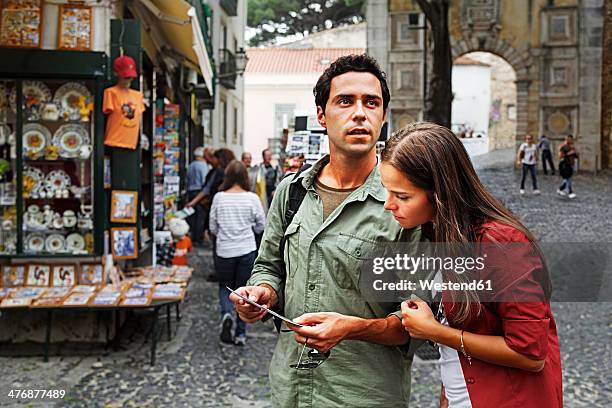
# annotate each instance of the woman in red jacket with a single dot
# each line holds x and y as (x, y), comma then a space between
(500, 350)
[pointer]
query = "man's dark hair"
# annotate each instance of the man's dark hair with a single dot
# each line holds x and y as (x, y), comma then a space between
(349, 63)
(224, 156)
(235, 173)
(263, 152)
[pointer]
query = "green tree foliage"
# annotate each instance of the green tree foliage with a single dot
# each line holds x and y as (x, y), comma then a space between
(273, 18)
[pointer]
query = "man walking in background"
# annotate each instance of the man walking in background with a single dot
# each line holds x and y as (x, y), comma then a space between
(544, 147)
(196, 178)
(272, 174)
(528, 158)
(567, 162)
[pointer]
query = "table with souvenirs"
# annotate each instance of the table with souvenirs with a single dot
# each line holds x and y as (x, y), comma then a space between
(64, 288)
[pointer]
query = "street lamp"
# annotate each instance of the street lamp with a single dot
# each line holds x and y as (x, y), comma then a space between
(232, 64)
(241, 61)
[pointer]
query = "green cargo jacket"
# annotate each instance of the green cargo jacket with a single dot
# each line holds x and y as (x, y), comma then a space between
(323, 261)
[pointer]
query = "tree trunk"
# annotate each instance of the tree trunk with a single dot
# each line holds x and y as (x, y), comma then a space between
(606, 90)
(440, 95)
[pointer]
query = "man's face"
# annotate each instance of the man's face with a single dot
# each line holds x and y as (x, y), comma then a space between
(529, 139)
(246, 159)
(569, 140)
(354, 113)
(267, 157)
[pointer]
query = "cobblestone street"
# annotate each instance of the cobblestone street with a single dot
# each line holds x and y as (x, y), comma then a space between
(195, 370)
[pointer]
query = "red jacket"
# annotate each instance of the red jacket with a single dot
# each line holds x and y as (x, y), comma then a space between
(527, 327)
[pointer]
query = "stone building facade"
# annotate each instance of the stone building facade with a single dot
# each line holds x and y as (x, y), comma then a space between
(554, 47)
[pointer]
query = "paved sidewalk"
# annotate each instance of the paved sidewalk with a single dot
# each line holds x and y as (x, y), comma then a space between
(194, 370)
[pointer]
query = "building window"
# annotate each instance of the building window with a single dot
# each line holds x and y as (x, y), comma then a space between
(406, 27)
(407, 80)
(235, 141)
(511, 112)
(207, 125)
(558, 76)
(559, 27)
(284, 118)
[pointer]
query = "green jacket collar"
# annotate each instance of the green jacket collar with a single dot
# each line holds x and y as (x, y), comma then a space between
(372, 185)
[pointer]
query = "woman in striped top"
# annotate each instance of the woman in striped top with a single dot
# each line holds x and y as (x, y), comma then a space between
(236, 216)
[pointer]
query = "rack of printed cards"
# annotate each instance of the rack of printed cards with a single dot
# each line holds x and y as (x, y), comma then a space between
(39, 285)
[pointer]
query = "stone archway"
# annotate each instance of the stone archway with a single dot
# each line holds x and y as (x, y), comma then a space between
(555, 50)
(520, 62)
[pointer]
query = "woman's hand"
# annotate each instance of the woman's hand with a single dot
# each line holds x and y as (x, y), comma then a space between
(419, 320)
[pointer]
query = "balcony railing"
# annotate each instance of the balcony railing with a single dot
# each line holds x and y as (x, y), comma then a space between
(227, 69)
(230, 7)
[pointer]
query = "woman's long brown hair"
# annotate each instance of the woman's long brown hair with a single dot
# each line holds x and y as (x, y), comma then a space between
(434, 159)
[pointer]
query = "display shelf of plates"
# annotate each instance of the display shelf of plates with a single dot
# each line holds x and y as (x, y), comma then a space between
(52, 156)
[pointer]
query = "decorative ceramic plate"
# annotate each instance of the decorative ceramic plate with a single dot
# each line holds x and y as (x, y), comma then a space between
(35, 242)
(75, 242)
(55, 243)
(34, 173)
(70, 138)
(68, 96)
(57, 180)
(34, 93)
(35, 138)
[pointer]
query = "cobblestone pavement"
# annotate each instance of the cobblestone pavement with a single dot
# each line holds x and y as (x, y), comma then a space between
(194, 370)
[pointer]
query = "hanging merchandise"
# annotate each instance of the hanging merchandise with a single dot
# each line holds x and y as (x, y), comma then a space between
(166, 162)
(124, 107)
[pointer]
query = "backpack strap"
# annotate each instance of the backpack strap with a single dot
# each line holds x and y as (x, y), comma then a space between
(297, 192)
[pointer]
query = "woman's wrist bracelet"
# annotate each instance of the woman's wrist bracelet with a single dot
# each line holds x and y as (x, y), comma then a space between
(465, 354)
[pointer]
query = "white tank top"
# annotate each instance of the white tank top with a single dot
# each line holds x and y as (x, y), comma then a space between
(453, 380)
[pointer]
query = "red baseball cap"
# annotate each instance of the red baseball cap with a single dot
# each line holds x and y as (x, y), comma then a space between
(125, 67)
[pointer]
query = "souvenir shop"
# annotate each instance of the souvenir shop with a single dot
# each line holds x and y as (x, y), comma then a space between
(85, 178)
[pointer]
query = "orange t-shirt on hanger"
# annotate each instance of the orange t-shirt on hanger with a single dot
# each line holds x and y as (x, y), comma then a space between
(124, 107)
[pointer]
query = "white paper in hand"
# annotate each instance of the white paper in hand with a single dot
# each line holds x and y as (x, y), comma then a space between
(272, 312)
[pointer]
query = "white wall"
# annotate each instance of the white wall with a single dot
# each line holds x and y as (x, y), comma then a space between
(472, 97)
(262, 93)
(233, 98)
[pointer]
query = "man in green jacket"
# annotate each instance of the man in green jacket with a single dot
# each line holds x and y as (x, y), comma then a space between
(337, 226)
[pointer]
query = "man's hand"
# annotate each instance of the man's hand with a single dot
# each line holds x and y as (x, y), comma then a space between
(323, 330)
(263, 295)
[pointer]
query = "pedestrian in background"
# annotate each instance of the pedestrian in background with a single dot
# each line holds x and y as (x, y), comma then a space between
(257, 186)
(567, 160)
(247, 160)
(272, 174)
(236, 216)
(221, 158)
(528, 158)
(196, 178)
(544, 148)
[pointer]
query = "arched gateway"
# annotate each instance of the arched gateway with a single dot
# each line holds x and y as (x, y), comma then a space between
(555, 48)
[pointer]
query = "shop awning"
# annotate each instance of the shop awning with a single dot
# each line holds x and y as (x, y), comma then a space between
(172, 27)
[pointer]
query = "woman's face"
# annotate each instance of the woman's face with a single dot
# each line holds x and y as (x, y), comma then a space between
(408, 204)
